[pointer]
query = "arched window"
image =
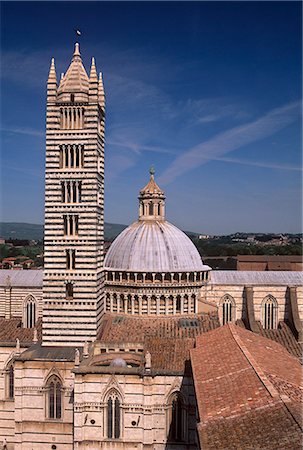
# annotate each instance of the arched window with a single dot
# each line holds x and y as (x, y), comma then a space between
(176, 419)
(227, 309)
(270, 313)
(54, 398)
(10, 382)
(113, 416)
(151, 209)
(30, 312)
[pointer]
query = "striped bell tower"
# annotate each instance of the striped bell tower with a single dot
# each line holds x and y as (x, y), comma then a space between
(74, 202)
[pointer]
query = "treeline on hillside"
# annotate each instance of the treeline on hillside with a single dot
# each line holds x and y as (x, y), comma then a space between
(213, 248)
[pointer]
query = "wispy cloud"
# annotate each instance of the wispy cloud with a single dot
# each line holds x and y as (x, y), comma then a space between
(259, 164)
(21, 130)
(232, 139)
(140, 148)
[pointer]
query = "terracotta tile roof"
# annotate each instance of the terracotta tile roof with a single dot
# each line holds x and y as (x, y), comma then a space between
(11, 330)
(169, 354)
(283, 335)
(168, 340)
(241, 380)
(122, 328)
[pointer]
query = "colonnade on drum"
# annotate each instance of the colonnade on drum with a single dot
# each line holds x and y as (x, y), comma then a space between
(151, 304)
(148, 277)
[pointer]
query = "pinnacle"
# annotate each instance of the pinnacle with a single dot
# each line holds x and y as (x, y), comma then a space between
(52, 72)
(77, 50)
(93, 72)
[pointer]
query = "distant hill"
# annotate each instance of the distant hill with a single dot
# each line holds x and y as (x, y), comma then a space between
(15, 230)
(31, 231)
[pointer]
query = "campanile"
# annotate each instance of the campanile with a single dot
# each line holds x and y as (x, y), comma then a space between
(74, 203)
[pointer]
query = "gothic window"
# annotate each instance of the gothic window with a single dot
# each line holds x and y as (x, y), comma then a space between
(176, 418)
(71, 224)
(151, 209)
(70, 259)
(69, 290)
(227, 309)
(71, 191)
(270, 313)
(158, 209)
(30, 313)
(113, 416)
(10, 382)
(54, 398)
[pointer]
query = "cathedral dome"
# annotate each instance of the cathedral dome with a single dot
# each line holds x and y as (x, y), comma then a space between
(153, 246)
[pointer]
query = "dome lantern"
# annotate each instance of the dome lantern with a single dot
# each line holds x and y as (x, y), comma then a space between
(152, 200)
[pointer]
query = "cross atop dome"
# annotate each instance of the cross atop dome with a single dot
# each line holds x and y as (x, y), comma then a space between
(151, 200)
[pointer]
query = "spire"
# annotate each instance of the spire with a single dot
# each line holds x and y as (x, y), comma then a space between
(101, 93)
(151, 200)
(52, 83)
(52, 78)
(75, 79)
(93, 72)
(93, 83)
(76, 51)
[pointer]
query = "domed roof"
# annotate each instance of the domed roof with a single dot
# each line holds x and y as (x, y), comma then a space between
(118, 362)
(153, 246)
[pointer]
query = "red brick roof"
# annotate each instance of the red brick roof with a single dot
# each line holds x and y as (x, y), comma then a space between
(241, 380)
(11, 330)
(168, 339)
(283, 335)
(121, 328)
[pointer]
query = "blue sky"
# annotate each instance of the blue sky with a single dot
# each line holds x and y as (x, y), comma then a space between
(207, 92)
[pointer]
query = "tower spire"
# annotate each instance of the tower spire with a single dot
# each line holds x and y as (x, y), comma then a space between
(77, 51)
(93, 71)
(52, 82)
(52, 77)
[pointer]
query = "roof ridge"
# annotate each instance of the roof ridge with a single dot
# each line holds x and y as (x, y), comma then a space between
(253, 363)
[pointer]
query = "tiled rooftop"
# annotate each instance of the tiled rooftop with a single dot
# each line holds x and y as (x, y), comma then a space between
(11, 330)
(240, 380)
(168, 340)
(117, 328)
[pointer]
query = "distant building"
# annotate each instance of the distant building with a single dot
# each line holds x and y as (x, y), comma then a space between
(267, 262)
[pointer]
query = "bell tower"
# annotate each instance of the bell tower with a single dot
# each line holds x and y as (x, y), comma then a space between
(74, 201)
